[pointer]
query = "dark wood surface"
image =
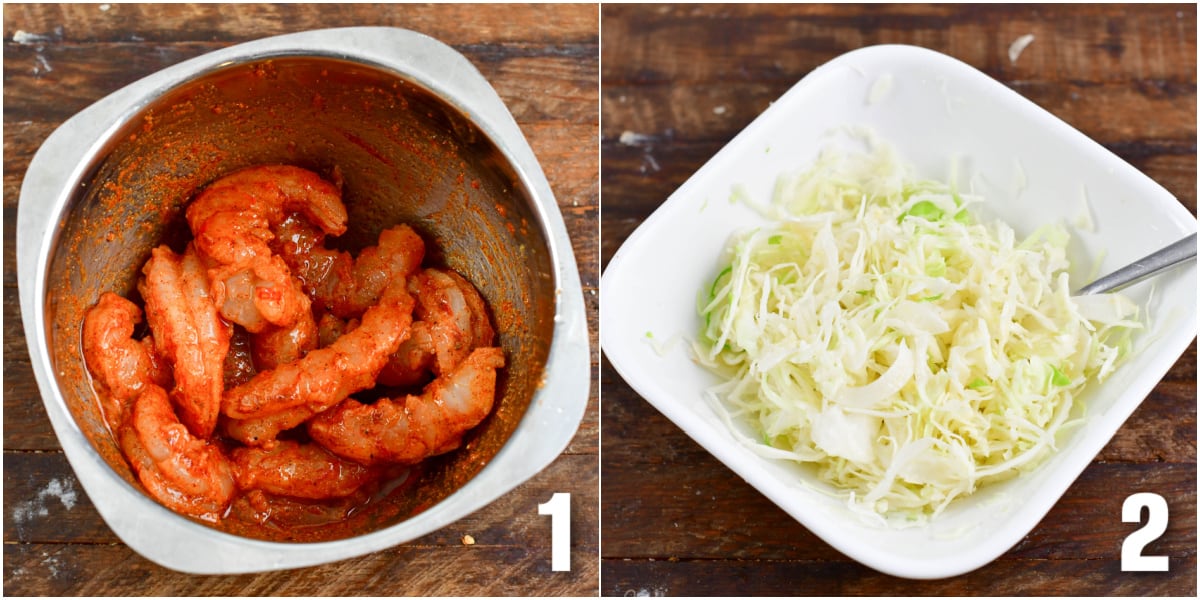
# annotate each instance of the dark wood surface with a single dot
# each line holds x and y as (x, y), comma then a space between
(686, 79)
(58, 59)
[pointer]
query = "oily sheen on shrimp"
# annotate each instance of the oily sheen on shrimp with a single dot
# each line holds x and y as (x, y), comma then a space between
(237, 400)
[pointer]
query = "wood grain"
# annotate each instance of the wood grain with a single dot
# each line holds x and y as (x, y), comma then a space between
(685, 79)
(58, 59)
(1016, 577)
(50, 544)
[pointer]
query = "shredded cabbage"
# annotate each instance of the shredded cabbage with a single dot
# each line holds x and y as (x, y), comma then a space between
(879, 331)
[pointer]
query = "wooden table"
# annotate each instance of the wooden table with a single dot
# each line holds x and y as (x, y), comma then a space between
(542, 60)
(686, 79)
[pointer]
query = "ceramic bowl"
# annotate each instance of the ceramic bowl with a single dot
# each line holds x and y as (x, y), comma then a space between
(1032, 168)
(417, 136)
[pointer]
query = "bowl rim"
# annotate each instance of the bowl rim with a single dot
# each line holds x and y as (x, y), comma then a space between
(616, 345)
(422, 60)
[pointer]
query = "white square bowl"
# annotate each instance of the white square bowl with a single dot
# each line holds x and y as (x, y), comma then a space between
(1031, 167)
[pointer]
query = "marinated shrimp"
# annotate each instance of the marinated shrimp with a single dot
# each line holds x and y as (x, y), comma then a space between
(325, 376)
(276, 345)
(121, 365)
(263, 431)
(299, 471)
(232, 221)
(413, 428)
(355, 284)
(185, 473)
(338, 283)
(190, 333)
(450, 320)
(257, 329)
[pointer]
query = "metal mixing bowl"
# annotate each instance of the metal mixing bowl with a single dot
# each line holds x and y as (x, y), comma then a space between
(415, 135)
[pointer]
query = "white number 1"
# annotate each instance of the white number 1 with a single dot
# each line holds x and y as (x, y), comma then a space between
(1156, 524)
(559, 509)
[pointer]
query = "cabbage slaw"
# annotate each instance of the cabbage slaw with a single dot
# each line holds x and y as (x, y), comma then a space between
(878, 331)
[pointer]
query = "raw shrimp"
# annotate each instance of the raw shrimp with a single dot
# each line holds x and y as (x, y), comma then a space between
(272, 350)
(414, 428)
(190, 333)
(354, 285)
(120, 364)
(184, 473)
(413, 361)
(160, 368)
(299, 471)
(450, 321)
(232, 221)
(339, 283)
(262, 431)
(327, 375)
(482, 332)
(276, 345)
(254, 298)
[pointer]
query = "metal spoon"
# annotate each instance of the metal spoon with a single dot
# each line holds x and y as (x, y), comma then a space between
(1138, 270)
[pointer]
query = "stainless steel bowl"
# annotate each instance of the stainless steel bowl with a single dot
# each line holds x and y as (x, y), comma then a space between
(417, 136)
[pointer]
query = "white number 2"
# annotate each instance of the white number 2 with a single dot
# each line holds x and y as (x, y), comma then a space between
(1156, 524)
(559, 509)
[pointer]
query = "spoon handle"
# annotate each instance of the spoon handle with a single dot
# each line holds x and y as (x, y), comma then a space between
(1138, 270)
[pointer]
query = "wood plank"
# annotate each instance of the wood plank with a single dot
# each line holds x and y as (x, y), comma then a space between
(1160, 118)
(1162, 429)
(565, 26)
(53, 518)
(115, 570)
(1096, 43)
(1029, 577)
(47, 503)
(690, 507)
(52, 83)
(39, 484)
(693, 515)
(575, 176)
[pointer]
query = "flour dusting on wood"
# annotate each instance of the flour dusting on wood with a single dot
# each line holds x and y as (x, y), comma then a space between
(25, 38)
(55, 488)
